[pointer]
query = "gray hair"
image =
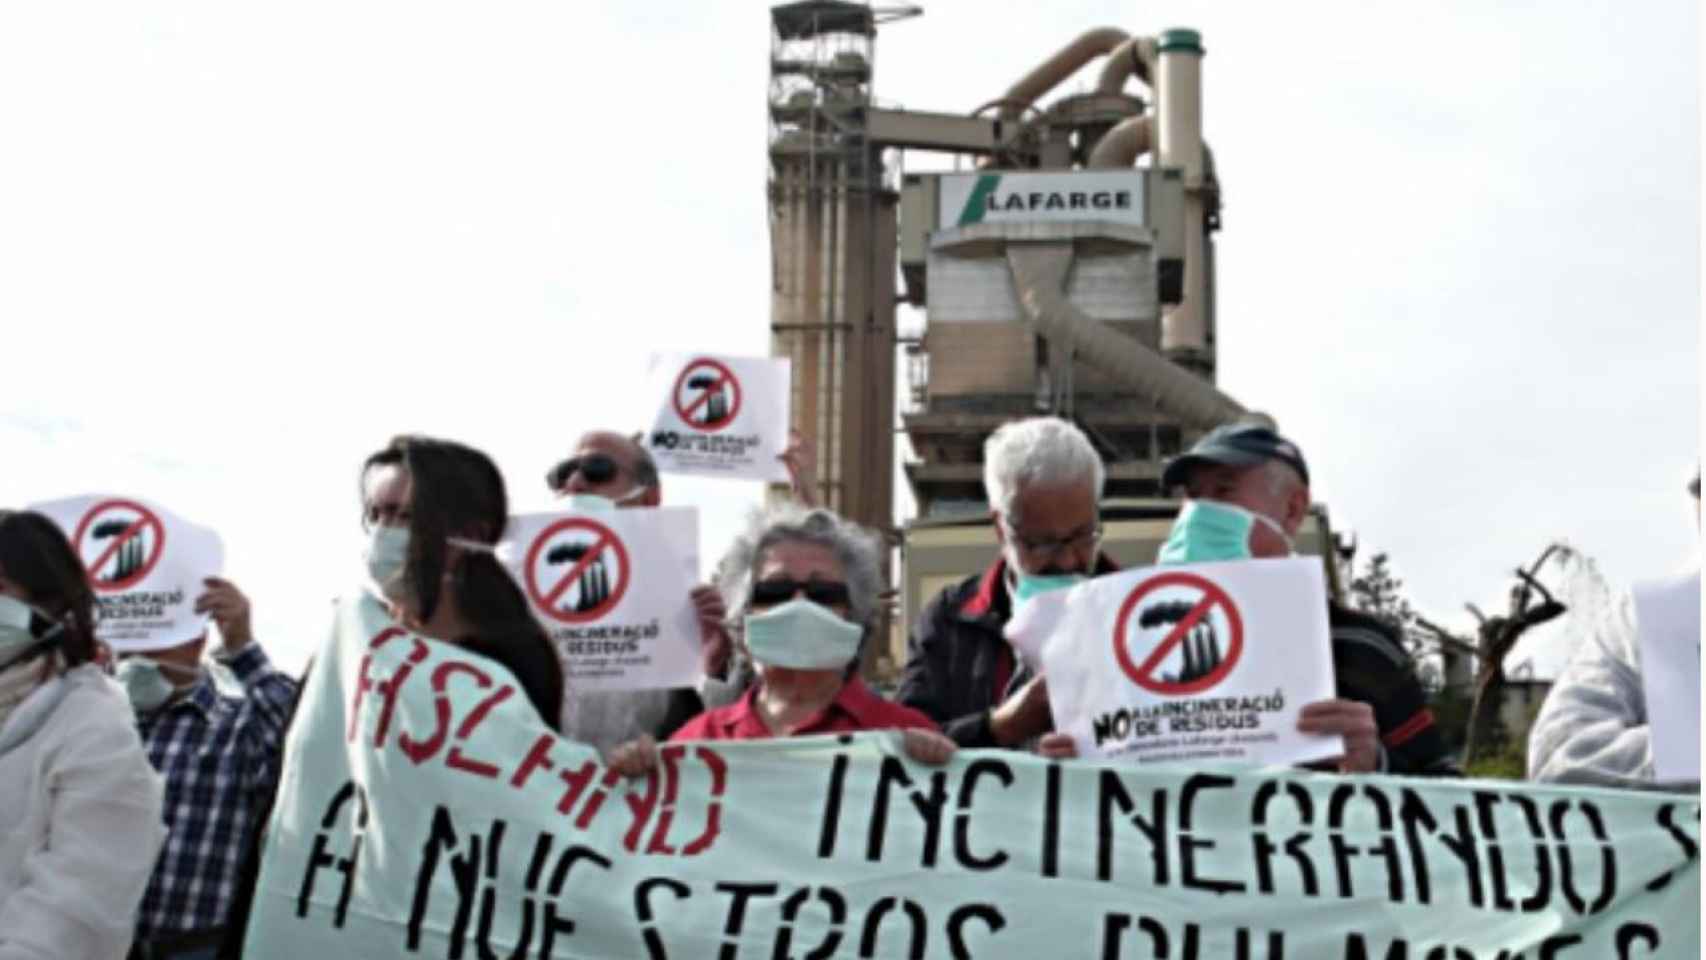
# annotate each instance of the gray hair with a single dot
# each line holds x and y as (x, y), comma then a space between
(857, 550)
(1039, 451)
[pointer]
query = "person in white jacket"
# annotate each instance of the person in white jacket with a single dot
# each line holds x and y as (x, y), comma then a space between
(80, 807)
(1594, 728)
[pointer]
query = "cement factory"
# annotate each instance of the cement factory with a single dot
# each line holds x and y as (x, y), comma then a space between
(1068, 269)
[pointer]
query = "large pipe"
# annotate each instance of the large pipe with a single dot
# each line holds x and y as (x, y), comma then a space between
(1120, 147)
(1043, 78)
(1179, 145)
(1136, 56)
(1039, 277)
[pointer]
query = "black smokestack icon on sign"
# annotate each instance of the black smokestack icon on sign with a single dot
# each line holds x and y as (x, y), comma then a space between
(594, 580)
(716, 401)
(128, 558)
(1201, 647)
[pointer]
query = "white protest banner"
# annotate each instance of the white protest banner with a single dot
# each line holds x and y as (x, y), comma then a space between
(146, 565)
(611, 590)
(1667, 621)
(719, 416)
(424, 811)
(1208, 661)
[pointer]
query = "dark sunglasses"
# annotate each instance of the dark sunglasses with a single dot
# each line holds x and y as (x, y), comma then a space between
(824, 593)
(597, 468)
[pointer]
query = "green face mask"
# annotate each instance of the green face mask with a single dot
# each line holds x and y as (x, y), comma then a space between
(1029, 585)
(1209, 531)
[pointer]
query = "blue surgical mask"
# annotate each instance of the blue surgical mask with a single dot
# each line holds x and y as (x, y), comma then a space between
(1028, 585)
(1209, 531)
(387, 555)
(802, 635)
(144, 682)
(16, 640)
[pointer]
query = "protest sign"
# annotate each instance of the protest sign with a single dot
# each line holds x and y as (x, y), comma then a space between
(720, 416)
(1192, 662)
(611, 589)
(424, 811)
(1667, 624)
(146, 565)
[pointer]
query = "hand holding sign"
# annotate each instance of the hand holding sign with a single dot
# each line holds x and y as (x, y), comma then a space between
(229, 609)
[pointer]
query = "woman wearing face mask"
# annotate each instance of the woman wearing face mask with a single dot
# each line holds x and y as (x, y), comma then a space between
(79, 804)
(804, 586)
(434, 508)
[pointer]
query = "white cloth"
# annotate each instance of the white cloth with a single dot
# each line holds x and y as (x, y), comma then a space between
(1592, 729)
(80, 824)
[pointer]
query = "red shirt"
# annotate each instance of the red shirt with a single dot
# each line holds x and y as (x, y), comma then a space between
(855, 708)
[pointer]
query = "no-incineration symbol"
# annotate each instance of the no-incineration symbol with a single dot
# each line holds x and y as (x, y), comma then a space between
(1188, 631)
(577, 570)
(119, 542)
(707, 395)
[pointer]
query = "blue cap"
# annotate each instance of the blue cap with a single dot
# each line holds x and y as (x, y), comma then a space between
(1235, 445)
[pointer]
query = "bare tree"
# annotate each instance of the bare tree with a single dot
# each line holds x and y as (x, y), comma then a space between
(1495, 637)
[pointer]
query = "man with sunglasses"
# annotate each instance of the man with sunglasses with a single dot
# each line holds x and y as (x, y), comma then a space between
(608, 470)
(1044, 482)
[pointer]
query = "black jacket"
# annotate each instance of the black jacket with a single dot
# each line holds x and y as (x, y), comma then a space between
(1370, 665)
(959, 666)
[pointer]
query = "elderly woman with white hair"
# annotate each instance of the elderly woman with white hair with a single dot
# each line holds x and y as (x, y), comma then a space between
(803, 587)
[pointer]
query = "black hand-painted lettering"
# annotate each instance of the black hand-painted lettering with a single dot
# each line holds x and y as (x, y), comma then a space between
(874, 923)
(1265, 847)
(643, 912)
(1627, 935)
(986, 912)
(962, 817)
(929, 808)
(1189, 845)
(736, 920)
(1276, 944)
(790, 912)
(1051, 821)
(831, 822)
(1542, 895)
(1111, 793)
(1690, 849)
(1356, 948)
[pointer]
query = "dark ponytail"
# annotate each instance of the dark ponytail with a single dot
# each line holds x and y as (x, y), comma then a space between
(457, 491)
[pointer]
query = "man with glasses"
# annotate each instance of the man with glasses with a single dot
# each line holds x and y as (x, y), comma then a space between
(1044, 482)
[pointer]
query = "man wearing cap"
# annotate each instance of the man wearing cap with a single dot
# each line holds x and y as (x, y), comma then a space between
(1594, 728)
(1044, 483)
(608, 470)
(1248, 494)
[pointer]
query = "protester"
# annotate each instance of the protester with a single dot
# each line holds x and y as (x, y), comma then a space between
(1593, 728)
(219, 756)
(608, 470)
(1044, 482)
(434, 508)
(805, 587)
(1248, 495)
(79, 805)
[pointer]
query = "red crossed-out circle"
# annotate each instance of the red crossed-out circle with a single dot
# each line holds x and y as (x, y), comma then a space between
(144, 521)
(725, 377)
(546, 595)
(1145, 674)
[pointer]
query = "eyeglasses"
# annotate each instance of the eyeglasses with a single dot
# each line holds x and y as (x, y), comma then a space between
(1081, 541)
(597, 468)
(824, 593)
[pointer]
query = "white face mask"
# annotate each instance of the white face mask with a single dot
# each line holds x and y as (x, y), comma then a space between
(144, 681)
(16, 640)
(597, 502)
(387, 555)
(802, 635)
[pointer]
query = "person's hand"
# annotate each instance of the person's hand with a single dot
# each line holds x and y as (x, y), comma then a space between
(1023, 715)
(1352, 720)
(927, 746)
(636, 758)
(713, 636)
(230, 611)
(801, 475)
(1057, 746)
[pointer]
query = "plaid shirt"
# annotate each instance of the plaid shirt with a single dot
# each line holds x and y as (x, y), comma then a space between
(219, 758)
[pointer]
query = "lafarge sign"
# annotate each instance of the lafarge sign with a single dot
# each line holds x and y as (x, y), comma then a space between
(1019, 197)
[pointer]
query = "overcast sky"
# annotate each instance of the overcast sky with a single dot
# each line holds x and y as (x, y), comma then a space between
(242, 245)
